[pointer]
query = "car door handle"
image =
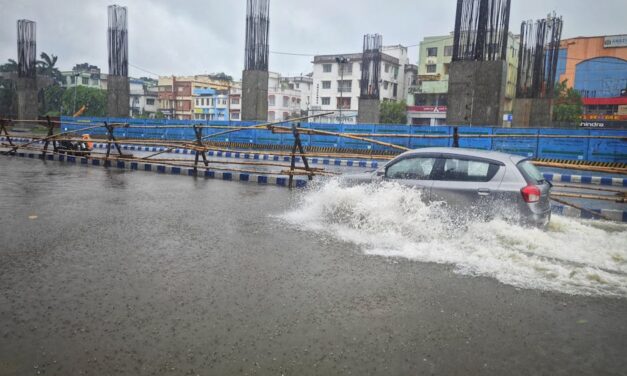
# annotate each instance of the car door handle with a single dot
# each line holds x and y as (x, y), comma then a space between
(483, 192)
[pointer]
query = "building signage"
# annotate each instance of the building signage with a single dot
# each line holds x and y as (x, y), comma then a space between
(603, 117)
(615, 41)
(435, 109)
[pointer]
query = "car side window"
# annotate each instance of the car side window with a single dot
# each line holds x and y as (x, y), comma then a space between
(415, 168)
(457, 169)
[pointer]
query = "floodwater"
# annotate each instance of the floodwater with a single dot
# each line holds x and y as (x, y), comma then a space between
(109, 272)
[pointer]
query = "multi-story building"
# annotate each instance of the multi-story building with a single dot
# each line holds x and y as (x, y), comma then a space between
(210, 104)
(143, 97)
(336, 86)
(176, 94)
(83, 75)
(597, 68)
(428, 98)
(283, 102)
(303, 84)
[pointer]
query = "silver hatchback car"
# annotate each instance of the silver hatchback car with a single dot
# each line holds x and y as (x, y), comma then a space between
(484, 183)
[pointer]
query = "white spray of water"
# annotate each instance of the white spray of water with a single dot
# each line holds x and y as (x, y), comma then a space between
(572, 256)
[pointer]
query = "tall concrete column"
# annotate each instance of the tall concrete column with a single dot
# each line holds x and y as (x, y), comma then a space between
(118, 96)
(255, 95)
(476, 92)
(369, 111)
(532, 112)
(27, 98)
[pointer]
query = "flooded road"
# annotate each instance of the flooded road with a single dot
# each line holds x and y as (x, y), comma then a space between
(112, 272)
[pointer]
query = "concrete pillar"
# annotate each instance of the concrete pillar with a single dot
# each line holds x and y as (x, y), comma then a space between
(27, 98)
(118, 96)
(255, 95)
(476, 92)
(532, 112)
(369, 111)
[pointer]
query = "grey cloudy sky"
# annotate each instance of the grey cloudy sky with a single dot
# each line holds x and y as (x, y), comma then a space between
(203, 36)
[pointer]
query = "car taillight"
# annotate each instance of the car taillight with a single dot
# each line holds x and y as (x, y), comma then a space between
(531, 193)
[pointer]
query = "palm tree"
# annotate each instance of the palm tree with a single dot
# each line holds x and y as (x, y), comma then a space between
(47, 67)
(11, 66)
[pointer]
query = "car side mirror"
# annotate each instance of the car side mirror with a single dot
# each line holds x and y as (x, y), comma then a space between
(380, 172)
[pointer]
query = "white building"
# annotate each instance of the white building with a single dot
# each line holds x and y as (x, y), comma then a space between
(143, 98)
(336, 87)
(82, 75)
(301, 83)
(283, 102)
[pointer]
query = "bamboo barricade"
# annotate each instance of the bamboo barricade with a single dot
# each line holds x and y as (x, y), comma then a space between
(578, 186)
(610, 170)
(250, 127)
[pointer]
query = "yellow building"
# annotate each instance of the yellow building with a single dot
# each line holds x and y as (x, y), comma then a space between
(428, 99)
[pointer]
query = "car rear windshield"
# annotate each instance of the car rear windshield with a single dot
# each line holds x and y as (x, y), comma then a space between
(530, 172)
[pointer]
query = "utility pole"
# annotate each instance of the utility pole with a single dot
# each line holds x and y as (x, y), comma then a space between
(75, 84)
(341, 60)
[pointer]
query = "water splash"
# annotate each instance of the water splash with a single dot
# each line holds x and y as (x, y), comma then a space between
(571, 256)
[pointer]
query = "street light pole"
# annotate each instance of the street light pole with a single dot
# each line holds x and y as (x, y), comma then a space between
(341, 61)
(75, 84)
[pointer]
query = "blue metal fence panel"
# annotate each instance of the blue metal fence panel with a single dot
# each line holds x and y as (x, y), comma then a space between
(391, 129)
(563, 148)
(527, 147)
(415, 143)
(264, 136)
(347, 143)
(324, 141)
(607, 150)
(475, 143)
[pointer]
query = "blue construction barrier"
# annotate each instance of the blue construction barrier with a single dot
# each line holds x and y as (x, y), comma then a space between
(590, 149)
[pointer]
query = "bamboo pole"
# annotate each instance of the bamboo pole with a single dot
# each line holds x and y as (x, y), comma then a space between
(617, 198)
(590, 188)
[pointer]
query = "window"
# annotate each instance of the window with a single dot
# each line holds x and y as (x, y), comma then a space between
(197, 102)
(431, 68)
(235, 100)
(235, 115)
(150, 102)
(270, 115)
(326, 101)
(432, 51)
(344, 86)
(415, 168)
(448, 50)
(326, 84)
(73, 79)
(271, 100)
(385, 85)
(286, 101)
(467, 170)
(343, 103)
(395, 73)
(85, 80)
(326, 68)
(298, 86)
(387, 68)
(346, 68)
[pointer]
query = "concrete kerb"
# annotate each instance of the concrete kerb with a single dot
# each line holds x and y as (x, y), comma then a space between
(278, 180)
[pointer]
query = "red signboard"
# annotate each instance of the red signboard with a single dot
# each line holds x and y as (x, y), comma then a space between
(603, 117)
(435, 109)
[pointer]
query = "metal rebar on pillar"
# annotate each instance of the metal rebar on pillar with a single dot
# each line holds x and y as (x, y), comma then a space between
(255, 75)
(537, 67)
(478, 72)
(369, 98)
(118, 91)
(26, 71)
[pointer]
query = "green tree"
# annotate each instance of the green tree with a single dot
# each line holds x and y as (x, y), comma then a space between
(53, 100)
(11, 66)
(94, 99)
(8, 98)
(567, 106)
(393, 113)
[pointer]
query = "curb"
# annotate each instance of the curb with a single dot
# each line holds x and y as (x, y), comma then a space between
(598, 180)
(567, 211)
(278, 180)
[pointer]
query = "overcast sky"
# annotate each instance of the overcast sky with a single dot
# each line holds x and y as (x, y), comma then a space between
(204, 36)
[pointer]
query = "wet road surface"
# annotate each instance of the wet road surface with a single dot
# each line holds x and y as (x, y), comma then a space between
(107, 272)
